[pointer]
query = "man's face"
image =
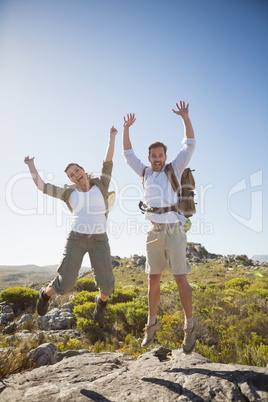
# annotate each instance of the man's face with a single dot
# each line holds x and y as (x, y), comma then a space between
(157, 158)
(77, 175)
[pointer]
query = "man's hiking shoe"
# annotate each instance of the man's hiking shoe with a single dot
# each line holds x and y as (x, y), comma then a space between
(42, 303)
(99, 311)
(150, 333)
(189, 340)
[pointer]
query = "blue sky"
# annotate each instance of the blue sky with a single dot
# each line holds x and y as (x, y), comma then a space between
(69, 70)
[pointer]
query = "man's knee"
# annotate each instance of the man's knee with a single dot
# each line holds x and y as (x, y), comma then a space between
(154, 280)
(107, 291)
(62, 286)
(181, 279)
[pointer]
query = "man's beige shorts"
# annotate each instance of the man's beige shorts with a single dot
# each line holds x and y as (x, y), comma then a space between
(166, 247)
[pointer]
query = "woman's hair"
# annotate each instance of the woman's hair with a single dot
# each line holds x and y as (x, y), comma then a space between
(157, 145)
(71, 164)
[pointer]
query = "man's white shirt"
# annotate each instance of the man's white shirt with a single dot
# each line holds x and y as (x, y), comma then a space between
(158, 191)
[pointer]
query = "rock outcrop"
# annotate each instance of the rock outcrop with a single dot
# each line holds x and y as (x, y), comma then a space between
(196, 254)
(160, 375)
(57, 319)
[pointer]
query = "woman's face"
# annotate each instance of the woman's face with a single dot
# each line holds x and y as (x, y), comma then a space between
(77, 175)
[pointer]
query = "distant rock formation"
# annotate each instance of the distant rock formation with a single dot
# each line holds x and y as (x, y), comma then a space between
(160, 375)
(260, 258)
(197, 254)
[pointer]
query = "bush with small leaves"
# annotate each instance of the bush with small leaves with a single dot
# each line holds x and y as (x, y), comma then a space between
(84, 297)
(86, 284)
(238, 283)
(258, 289)
(71, 344)
(92, 330)
(171, 332)
(123, 294)
(20, 297)
(84, 310)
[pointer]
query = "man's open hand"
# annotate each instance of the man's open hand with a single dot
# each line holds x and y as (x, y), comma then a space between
(129, 120)
(182, 110)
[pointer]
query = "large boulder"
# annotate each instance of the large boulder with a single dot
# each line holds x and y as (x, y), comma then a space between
(160, 375)
(43, 355)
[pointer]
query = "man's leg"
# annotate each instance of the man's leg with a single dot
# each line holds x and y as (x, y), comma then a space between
(185, 292)
(49, 291)
(153, 293)
(156, 262)
(153, 325)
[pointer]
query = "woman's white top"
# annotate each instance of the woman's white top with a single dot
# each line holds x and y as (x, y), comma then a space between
(88, 211)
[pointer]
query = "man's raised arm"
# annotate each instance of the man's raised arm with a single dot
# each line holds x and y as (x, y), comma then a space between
(130, 158)
(35, 175)
(183, 111)
(127, 123)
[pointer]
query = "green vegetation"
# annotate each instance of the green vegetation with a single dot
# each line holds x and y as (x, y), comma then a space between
(230, 311)
(86, 284)
(20, 297)
(15, 359)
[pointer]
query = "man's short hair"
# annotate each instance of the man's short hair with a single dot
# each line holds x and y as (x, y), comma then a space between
(71, 164)
(157, 145)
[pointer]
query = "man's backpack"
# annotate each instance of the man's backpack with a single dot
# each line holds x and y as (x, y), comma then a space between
(185, 193)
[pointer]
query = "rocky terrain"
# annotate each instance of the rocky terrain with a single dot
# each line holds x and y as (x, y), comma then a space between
(162, 375)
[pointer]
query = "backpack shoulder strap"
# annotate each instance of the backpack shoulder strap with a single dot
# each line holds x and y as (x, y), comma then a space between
(172, 177)
(143, 175)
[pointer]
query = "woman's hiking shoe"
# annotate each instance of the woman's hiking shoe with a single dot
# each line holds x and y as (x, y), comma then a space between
(189, 340)
(99, 311)
(150, 332)
(42, 303)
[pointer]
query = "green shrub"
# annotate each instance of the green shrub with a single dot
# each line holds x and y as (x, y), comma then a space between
(99, 347)
(233, 292)
(84, 297)
(71, 344)
(84, 310)
(123, 294)
(168, 288)
(254, 355)
(90, 328)
(171, 334)
(237, 283)
(258, 289)
(21, 297)
(136, 316)
(197, 285)
(86, 284)
(128, 318)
